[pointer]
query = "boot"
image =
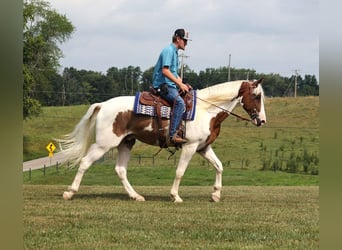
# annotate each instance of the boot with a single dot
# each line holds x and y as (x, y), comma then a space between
(176, 139)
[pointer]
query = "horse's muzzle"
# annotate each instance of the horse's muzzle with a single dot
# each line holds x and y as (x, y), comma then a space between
(257, 122)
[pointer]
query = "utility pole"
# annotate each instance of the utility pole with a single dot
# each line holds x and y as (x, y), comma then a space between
(182, 56)
(295, 85)
(229, 68)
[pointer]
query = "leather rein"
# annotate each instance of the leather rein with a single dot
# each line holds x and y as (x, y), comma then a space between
(226, 110)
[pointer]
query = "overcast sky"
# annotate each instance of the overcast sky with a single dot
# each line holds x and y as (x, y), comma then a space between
(269, 36)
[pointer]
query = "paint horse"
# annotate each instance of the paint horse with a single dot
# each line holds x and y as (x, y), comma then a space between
(116, 125)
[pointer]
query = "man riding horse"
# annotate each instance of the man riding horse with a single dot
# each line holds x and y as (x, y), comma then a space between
(168, 83)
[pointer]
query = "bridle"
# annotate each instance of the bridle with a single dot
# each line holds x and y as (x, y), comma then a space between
(253, 115)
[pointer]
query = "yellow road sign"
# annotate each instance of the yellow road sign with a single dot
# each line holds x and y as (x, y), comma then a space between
(50, 147)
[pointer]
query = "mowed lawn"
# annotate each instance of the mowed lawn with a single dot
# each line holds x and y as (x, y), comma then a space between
(276, 209)
(103, 217)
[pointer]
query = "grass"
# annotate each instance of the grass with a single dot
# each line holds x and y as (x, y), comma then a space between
(259, 209)
(103, 217)
(292, 128)
(104, 174)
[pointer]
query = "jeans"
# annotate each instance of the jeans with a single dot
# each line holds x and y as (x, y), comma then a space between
(176, 100)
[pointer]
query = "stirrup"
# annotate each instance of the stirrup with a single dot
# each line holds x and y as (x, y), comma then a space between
(177, 139)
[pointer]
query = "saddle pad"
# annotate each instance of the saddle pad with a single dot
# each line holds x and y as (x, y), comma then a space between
(165, 110)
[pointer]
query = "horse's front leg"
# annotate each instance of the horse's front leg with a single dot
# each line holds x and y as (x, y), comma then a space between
(210, 155)
(185, 157)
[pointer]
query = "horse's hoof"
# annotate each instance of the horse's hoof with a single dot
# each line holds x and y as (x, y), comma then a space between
(176, 198)
(67, 195)
(139, 198)
(215, 198)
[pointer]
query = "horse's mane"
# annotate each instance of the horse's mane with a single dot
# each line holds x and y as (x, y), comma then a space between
(225, 91)
(220, 92)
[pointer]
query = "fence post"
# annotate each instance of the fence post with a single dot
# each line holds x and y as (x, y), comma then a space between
(44, 169)
(57, 166)
(30, 173)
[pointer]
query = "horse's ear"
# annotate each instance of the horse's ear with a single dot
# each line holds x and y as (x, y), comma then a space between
(257, 82)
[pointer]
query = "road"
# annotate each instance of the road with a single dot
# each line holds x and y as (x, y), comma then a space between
(47, 161)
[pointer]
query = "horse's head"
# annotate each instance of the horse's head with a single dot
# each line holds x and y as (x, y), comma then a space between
(253, 101)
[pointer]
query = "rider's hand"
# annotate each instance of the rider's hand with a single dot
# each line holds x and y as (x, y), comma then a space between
(184, 88)
(189, 86)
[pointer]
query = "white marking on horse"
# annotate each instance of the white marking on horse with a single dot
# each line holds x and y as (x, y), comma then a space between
(117, 126)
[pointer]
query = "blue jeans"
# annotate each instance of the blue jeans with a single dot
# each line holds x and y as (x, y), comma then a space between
(176, 100)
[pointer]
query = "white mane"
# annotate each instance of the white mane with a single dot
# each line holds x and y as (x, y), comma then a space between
(220, 93)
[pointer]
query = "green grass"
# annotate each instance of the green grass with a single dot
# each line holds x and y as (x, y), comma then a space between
(52, 123)
(292, 127)
(292, 131)
(104, 174)
(258, 210)
(101, 217)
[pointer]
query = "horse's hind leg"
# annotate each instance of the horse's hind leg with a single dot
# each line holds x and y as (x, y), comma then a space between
(94, 153)
(124, 152)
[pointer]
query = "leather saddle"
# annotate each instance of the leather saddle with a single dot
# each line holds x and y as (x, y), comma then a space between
(152, 98)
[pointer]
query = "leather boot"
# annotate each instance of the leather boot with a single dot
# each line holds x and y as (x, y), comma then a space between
(177, 139)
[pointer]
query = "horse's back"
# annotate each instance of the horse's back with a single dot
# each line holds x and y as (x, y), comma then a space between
(111, 108)
(117, 104)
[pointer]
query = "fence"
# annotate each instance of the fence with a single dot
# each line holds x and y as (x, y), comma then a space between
(139, 159)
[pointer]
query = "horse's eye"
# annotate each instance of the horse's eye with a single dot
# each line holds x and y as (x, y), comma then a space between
(257, 97)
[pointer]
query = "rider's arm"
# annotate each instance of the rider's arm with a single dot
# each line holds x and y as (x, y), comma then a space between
(166, 72)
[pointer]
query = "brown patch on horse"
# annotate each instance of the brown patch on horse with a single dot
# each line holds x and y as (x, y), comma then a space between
(120, 123)
(249, 100)
(136, 124)
(215, 126)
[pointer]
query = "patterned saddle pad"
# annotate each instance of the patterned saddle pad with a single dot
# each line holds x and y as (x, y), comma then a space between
(165, 112)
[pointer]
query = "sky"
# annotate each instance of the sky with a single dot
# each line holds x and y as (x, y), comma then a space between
(268, 36)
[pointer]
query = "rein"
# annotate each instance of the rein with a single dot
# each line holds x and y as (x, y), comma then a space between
(172, 152)
(225, 110)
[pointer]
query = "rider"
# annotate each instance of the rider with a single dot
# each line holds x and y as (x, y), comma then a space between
(168, 83)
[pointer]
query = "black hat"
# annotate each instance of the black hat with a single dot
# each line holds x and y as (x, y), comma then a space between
(182, 33)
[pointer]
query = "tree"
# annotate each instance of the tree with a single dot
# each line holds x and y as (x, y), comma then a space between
(146, 79)
(308, 86)
(43, 30)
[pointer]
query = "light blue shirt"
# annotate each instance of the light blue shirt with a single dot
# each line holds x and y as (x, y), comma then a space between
(167, 58)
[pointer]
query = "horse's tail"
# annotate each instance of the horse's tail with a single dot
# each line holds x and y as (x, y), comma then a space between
(75, 145)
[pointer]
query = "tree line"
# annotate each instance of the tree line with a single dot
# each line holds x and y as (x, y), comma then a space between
(75, 86)
(44, 29)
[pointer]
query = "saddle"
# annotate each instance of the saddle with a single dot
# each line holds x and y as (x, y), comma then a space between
(153, 99)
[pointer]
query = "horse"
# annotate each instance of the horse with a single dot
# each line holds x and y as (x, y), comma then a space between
(113, 124)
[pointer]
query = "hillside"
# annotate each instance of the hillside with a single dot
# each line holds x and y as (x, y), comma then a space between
(290, 139)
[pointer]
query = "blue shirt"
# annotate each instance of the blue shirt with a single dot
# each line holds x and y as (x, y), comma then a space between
(168, 57)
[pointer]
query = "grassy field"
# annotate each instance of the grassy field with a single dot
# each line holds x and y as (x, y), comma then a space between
(103, 217)
(273, 209)
(104, 174)
(289, 141)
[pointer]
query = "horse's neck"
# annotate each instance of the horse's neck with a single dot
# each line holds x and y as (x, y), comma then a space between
(223, 95)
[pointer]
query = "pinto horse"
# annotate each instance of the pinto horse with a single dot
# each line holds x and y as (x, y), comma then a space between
(116, 125)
